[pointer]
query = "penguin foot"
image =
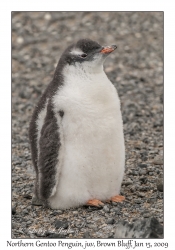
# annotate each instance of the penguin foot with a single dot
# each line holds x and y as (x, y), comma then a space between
(117, 198)
(94, 203)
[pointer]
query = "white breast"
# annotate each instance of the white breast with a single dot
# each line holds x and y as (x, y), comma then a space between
(93, 164)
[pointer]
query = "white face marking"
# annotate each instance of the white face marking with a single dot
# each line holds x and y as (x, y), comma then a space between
(95, 65)
(76, 51)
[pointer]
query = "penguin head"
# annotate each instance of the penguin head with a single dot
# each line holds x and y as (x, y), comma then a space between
(86, 54)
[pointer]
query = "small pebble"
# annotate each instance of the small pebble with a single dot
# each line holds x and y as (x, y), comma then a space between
(15, 225)
(57, 212)
(29, 222)
(61, 224)
(158, 161)
(56, 236)
(27, 196)
(138, 201)
(142, 172)
(116, 209)
(160, 185)
(75, 212)
(142, 165)
(47, 16)
(20, 40)
(86, 235)
(36, 201)
(106, 209)
(25, 211)
(110, 221)
(146, 215)
(13, 210)
(128, 182)
(92, 226)
(111, 236)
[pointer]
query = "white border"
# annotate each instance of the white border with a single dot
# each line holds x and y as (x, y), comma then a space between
(5, 95)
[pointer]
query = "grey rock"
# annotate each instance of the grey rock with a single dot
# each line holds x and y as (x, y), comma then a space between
(23, 225)
(141, 194)
(135, 173)
(142, 172)
(36, 201)
(61, 224)
(75, 213)
(86, 235)
(151, 200)
(147, 228)
(116, 210)
(144, 188)
(25, 211)
(14, 209)
(29, 222)
(110, 221)
(92, 226)
(133, 188)
(146, 215)
(15, 225)
(27, 196)
(57, 212)
(161, 175)
(111, 236)
(56, 236)
(143, 179)
(160, 185)
(138, 201)
(106, 209)
(128, 182)
(158, 161)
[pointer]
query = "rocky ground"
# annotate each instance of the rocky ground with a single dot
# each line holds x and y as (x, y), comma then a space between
(136, 69)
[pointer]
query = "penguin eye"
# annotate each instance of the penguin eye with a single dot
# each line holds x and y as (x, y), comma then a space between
(83, 55)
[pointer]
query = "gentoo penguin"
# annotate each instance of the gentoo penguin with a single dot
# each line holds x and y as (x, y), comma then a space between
(76, 132)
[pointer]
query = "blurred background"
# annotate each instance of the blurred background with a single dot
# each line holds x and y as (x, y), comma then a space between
(135, 68)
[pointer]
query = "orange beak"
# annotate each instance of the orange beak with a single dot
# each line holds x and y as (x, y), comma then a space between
(108, 49)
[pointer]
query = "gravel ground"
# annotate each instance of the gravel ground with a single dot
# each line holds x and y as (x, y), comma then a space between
(136, 69)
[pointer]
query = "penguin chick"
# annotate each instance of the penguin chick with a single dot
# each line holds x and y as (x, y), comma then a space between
(76, 132)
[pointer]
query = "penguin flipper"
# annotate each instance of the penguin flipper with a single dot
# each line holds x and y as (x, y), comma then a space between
(49, 148)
